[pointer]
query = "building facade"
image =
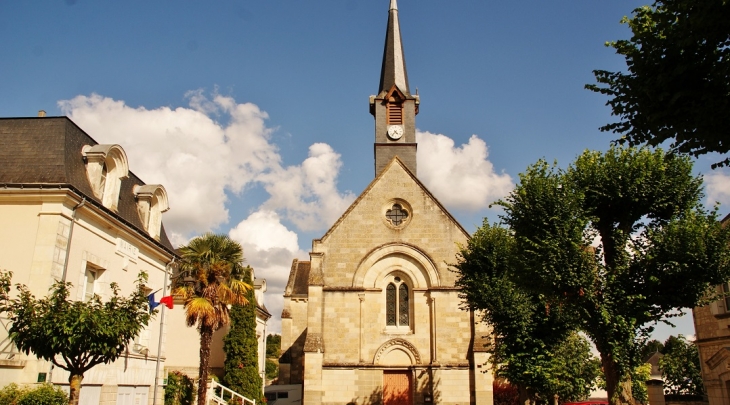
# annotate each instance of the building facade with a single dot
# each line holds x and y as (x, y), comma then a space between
(70, 209)
(374, 316)
(712, 337)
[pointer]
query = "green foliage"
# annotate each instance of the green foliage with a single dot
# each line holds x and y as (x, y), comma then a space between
(211, 278)
(73, 335)
(649, 348)
(10, 394)
(532, 346)
(45, 394)
(639, 376)
(241, 372)
(180, 389)
(681, 367)
(677, 86)
(574, 370)
(658, 250)
(273, 346)
(272, 369)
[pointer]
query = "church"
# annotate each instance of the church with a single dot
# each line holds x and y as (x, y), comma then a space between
(374, 317)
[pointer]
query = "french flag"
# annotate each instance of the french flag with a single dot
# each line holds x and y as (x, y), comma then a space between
(167, 300)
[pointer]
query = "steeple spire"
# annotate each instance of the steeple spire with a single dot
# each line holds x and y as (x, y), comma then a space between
(394, 107)
(394, 61)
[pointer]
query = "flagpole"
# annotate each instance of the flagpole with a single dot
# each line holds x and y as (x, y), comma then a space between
(159, 342)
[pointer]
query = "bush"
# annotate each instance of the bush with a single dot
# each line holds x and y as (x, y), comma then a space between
(180, 389)
(45, 394)
(272, 369)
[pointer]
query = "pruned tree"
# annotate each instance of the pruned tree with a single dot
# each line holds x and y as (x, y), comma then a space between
(532, 345)
(620, 241)
(74, 335)
(676, 86)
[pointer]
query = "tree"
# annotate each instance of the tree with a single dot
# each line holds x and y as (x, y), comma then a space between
(681, 367)
(650, 347)
(241, 368)
(528, 331)
(678, 82)
(658, 250)
(574, 370)
(273, 346)
(74, 335)
(210, 279)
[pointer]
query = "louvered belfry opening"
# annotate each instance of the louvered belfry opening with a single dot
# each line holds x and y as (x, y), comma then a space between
(395, 111)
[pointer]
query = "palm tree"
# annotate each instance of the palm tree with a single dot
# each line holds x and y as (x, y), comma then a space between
(210, 279)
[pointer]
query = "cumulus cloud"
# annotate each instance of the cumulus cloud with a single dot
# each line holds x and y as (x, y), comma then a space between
(717, 186)
(308, 193)
(212, 146)
(449, 171)
(269, 247)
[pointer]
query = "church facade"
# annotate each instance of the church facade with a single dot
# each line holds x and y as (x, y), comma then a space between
(374, 316)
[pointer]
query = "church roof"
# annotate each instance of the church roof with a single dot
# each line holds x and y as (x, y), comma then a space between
(393, 72)
(394, 161)
(298, 279)
(45, 152)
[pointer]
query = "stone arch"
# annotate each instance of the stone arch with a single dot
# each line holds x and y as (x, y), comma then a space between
(401, 257)
(397, 345)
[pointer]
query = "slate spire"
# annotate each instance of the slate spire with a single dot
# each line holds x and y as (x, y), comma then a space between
(393, 71)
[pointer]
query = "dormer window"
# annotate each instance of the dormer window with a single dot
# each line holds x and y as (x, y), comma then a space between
(106, 166)
(151, 203)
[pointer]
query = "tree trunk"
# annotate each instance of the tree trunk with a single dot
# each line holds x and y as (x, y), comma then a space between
(527, 397)
(74, 385)
(618, 389)
(206, 336)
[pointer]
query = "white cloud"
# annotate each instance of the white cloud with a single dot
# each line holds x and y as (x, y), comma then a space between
(460, 177)
(215, 145)
(269, 247)
(308, 193)
(717, 185)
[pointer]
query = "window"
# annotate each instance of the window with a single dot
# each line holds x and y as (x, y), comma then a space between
(106, 166)
(396, 215)
(397, 303)
(395, 113)
(90, 278)
(151, 203)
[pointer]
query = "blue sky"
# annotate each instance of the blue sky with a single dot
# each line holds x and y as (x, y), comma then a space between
(254, 115)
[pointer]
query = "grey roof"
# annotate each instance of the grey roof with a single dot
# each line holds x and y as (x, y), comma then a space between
(393, 71)
(46, 152)
(298, 284)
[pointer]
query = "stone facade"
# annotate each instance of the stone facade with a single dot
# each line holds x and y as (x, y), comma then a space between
(336, 340)
(712, 337)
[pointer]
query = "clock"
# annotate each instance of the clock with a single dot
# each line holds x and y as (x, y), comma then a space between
(395, 132)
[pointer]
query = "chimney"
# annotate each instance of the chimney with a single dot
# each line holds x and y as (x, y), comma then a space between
(41, 113)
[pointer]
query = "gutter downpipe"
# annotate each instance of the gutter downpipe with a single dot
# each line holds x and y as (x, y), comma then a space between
(159, 341)
(70, 235)
(65, 259)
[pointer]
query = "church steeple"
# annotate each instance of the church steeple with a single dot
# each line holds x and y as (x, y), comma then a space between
(394, 60)
(394, 107)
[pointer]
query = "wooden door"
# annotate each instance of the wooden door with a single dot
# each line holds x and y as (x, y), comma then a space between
(397, 388)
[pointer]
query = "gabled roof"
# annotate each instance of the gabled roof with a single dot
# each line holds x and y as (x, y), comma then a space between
(393, 71)
(46, 152)
(394, 161)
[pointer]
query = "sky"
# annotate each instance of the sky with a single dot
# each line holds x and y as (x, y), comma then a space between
(254, 114)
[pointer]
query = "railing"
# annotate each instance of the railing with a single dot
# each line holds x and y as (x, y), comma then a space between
(8, 351)
(217, 394)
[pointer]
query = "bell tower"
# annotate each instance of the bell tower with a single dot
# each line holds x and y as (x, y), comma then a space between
(394, 107)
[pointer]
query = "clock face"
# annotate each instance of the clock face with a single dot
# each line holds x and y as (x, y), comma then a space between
(395, 132)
